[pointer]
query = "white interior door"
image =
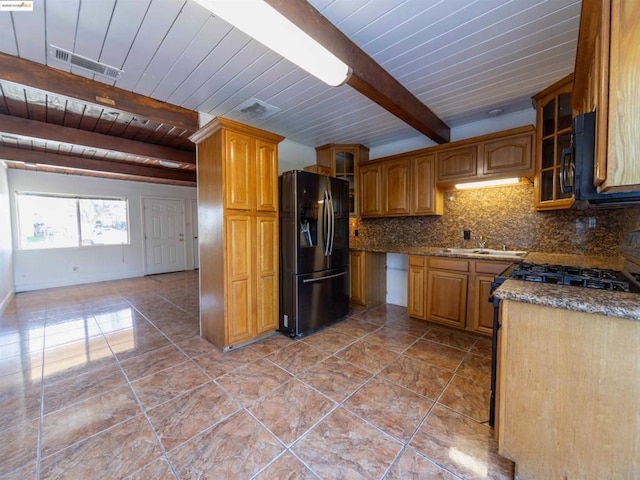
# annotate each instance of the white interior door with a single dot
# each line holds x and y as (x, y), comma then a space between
(164, 235)
(194, 223)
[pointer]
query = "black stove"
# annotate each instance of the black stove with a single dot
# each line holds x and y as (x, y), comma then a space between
(597, 278)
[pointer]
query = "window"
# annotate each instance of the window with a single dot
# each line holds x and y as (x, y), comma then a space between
(51, 221)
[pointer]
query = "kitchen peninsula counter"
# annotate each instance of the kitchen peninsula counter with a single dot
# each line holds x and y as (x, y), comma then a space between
(600, 302)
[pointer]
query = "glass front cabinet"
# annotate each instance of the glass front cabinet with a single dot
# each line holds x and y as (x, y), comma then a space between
(342, 160)
(553, 133)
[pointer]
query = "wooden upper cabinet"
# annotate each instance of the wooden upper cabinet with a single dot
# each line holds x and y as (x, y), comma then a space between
(623, 159)
(553, 113)
(396, 187)
(342, 160)
(239, 171)
(458, 163)
(266, 176)
(426, 198)
(251, 173)
(497, 155)
(507, 155)
(400, 185)
(370, 190)
(606, 76)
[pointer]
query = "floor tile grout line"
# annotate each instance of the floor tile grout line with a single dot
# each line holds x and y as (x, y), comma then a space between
(328, 354)
(144, 413)
(41, 412)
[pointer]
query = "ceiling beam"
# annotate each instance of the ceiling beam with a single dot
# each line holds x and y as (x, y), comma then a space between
(47, 79)
(94, 165)
(21, 127)
(367, 76)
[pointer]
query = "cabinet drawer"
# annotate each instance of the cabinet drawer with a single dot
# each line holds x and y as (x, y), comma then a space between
(417, 260)
(449, 264)
(492, 268)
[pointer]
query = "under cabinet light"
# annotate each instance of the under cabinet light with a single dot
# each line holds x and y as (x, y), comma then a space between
(488, 183)
(265, 24)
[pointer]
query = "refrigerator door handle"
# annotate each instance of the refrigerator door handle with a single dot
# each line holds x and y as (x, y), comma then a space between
(326, 224)
(332, 224)
(311, 280)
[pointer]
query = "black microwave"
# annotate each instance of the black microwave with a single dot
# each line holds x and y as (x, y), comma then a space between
(577, 167)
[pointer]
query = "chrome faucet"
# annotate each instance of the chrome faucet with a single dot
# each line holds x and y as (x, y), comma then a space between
(482, 242)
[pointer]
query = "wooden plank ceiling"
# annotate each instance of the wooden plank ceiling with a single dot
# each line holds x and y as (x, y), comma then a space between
(61, 131)
(462, 58)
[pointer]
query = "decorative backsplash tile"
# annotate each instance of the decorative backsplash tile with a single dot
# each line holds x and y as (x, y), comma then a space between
(503, 215)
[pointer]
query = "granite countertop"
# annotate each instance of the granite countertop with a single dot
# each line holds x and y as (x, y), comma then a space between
(591, 261)
(436, 252)
(601, 302)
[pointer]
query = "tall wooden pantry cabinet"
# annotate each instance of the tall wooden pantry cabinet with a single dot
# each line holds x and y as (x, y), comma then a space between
(238, 231)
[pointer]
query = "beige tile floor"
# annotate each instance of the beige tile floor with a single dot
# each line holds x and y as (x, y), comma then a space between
(111, 380)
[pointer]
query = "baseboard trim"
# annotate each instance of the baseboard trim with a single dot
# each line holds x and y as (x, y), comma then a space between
(6, 300)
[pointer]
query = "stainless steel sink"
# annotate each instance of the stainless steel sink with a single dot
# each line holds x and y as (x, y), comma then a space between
(460, 251)
(501, 253)
(485, 251)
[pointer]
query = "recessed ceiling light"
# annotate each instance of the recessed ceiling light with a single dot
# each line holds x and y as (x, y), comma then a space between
(494, 112)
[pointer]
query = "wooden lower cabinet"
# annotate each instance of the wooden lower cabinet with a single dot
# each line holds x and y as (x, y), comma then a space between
(568, 393)
(447, 292)
(267, 282)
(452, 291)
(417, 286)
(480, 314)
(239, 288)
(252, 276)
(368, 278)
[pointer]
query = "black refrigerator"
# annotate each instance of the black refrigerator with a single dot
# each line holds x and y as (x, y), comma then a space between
(314, 251)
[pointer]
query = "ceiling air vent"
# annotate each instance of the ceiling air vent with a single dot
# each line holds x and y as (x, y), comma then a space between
(61, 56)
(257, 109)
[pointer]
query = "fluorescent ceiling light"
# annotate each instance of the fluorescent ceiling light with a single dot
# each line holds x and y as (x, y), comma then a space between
(169, 163)
(269, 27)
(488, 183)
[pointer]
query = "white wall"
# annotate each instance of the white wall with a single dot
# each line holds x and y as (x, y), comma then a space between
(293, 155)
(413, 143)
(37, 269)
(397, 271)
(494, 124)
(468, 130)
(6, 245)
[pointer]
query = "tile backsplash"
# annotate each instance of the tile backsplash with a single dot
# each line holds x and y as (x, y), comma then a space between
(503, 215)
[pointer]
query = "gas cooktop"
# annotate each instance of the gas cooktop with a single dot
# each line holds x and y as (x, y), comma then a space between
(598, 278)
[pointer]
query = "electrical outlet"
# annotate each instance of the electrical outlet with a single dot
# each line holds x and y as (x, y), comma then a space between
(356, 232)
(466, 234)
